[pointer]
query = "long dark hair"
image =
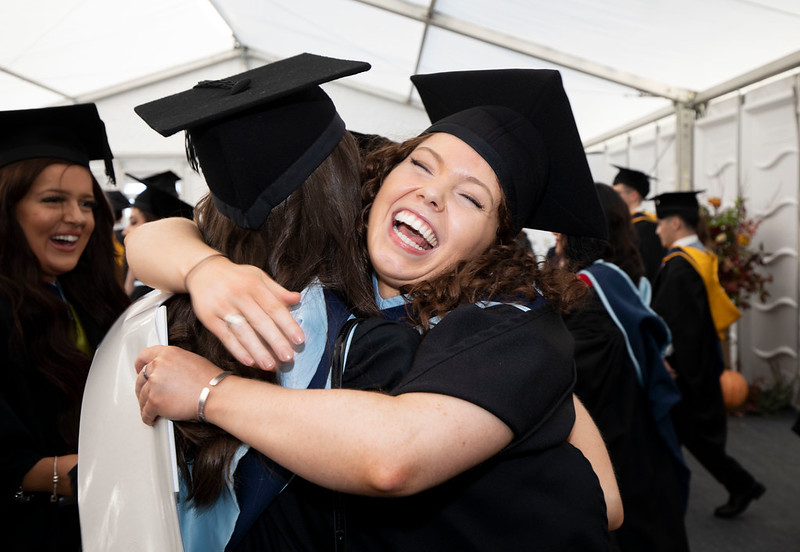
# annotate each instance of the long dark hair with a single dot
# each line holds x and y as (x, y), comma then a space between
(41, 323)
(312, 234)
(620, 248)
(506, 270)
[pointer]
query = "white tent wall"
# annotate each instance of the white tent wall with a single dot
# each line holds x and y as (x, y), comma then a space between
(769, 176)
(746, 145)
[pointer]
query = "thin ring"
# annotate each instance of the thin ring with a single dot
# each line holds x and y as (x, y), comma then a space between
(144, 373)
(233, 319)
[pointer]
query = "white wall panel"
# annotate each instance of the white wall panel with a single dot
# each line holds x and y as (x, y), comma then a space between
(768, 333)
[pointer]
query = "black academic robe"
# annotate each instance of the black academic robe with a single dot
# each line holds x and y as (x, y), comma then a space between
(680, 297)
(539, 493)
(29, 407)
(647, 478)
(649, 243)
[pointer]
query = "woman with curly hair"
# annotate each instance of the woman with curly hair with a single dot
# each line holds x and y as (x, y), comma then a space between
(59, 294)
(470, 448)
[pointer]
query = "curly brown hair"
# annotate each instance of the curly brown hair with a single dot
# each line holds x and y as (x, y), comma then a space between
(312, 234)
(506, 271)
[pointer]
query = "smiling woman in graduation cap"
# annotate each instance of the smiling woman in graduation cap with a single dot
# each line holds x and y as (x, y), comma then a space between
(470, 449)
(59, 294)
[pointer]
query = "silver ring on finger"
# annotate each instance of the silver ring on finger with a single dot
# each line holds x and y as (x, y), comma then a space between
(234, 319)
(144, 373)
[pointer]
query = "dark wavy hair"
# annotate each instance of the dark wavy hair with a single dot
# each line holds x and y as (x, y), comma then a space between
(505, 271)
(312, 234)
(620, 248)
(42, 326)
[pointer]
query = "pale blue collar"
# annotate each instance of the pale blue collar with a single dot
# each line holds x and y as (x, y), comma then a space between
(382, 303)
(312, 316)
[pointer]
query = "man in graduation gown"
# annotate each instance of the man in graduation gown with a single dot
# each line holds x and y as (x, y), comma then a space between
(633, 187)
(688, 296)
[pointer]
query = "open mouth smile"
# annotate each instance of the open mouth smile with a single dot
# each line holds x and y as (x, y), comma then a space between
(66, 238)
(414, 232)
(64, 242)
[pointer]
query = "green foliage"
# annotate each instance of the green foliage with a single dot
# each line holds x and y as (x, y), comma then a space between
(768, 399)
(731, 234)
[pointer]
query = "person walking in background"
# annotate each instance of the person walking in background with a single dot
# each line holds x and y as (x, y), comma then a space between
(688, 296)
(633, 187)
(622, 381)
(59, 294)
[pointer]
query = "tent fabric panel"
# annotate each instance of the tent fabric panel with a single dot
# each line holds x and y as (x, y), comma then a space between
(597, 104)
(347, 30)
(689, 44)
(80, 47)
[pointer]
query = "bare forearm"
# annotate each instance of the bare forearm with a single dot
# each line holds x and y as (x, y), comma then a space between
(169, 254)
(359, 442)
(356, 441)
(587, 438)
(39, 478)
(162, 252)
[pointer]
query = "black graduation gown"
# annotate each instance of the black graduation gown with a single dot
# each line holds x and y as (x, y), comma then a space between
(540, 493)
(680, 297)
(649, 244)
(29, 407)
(608, 387)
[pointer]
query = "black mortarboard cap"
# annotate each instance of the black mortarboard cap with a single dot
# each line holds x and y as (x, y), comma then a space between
(637, 180)
(683, 204)
(520, 121)
(159, 198)
(162, 204)
(118, 201)
(257, 135)
(74, 133)
(164, 181)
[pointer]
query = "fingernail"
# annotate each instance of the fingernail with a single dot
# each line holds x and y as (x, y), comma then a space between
(298, 339)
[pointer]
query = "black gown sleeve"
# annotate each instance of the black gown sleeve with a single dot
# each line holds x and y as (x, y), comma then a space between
(380, 355)
(21, 447)
(513, 363)
(680, 298)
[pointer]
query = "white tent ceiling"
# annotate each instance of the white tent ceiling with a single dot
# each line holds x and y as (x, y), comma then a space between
(622, 60)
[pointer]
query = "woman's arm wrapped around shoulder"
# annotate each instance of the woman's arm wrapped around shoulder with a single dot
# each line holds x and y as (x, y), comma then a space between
(240, 304)
(361, 442)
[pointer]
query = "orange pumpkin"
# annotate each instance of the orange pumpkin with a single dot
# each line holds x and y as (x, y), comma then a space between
(734, 389)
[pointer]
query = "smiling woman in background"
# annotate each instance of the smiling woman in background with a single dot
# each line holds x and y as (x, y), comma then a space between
(59, 293)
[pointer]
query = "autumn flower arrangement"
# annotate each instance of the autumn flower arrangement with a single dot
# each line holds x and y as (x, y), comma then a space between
(731, 234)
